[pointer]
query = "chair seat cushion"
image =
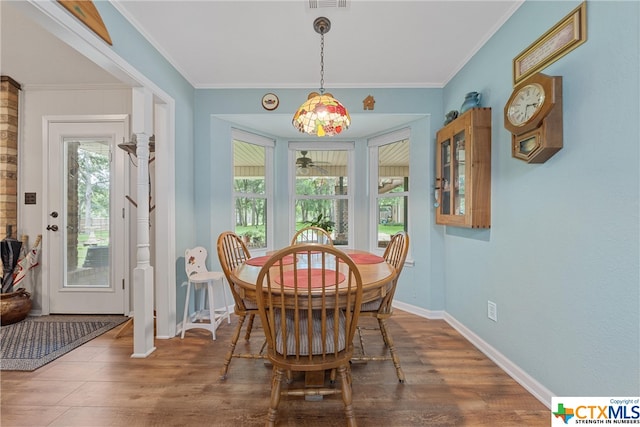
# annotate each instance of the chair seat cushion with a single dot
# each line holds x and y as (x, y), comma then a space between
(371, 305)
(317, 333)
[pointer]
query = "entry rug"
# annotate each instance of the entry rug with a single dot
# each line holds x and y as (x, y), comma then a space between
(36, 341)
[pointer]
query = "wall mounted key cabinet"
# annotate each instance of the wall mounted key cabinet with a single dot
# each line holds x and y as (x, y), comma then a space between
(463, 171)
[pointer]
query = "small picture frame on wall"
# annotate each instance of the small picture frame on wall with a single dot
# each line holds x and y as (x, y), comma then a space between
(270, 101)
(561, 39)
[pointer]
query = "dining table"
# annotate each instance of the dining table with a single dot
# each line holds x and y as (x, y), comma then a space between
(377, 277)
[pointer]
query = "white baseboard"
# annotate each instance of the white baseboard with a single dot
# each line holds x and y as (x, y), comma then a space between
(143, 355)
(536, 389)
(419, 311)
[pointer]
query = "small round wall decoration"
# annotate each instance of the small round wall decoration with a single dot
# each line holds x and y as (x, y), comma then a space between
(270, 101)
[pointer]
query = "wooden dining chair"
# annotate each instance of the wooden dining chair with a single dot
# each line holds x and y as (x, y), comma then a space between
(308, 328)
(382, 309)
(312, 235)
(232, 252)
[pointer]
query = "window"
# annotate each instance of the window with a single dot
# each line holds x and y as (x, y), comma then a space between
(389, 168)
(252, 188)
(321, 188)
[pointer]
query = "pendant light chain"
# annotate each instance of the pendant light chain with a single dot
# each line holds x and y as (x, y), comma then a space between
(321, 114)
(322, 63)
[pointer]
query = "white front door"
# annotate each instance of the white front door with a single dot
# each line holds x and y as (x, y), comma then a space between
(86, 227)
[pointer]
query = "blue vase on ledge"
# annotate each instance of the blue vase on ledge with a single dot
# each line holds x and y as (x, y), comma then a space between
(471, 100)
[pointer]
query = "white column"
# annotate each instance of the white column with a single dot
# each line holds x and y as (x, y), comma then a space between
(142, 126)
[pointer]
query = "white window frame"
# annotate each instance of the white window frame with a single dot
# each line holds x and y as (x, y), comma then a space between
(374, 144)
(349, 147)
(269, 145)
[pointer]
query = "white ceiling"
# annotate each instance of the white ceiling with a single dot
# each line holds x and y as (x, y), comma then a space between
(272, 44)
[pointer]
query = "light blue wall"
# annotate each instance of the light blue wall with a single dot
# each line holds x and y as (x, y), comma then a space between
(561, 258)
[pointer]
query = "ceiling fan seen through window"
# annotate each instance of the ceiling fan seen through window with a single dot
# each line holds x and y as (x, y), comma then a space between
(304, 164)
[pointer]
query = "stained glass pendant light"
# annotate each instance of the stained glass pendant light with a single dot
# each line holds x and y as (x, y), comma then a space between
(321, 114)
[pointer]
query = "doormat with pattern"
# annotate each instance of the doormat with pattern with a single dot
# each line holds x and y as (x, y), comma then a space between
(36, 341)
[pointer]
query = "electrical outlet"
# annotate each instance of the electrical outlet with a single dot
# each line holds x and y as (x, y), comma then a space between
(492, 311)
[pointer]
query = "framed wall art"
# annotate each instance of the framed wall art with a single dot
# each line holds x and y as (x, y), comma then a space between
(561, 39)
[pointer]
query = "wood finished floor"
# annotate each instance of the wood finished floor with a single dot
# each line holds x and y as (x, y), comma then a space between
(449, 383)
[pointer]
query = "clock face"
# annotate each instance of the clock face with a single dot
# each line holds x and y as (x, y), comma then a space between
(525, 104)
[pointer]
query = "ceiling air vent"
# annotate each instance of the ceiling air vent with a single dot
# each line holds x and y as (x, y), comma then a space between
(327, 4)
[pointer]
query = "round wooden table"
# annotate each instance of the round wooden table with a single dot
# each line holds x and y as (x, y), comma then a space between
(376, 277)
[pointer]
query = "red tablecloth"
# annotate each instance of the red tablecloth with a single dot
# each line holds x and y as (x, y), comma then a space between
(316, 278)
(366, 258)
(262, 260)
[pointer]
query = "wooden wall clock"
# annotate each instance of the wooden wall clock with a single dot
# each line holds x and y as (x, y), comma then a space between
(533, 115)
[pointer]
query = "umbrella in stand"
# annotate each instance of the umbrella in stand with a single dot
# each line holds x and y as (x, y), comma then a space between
(9, 252)
(27, 261)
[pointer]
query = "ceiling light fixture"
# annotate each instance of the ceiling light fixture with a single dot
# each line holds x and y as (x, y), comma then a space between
(321, 114)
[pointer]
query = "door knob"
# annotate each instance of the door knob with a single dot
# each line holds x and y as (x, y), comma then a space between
(52, 227)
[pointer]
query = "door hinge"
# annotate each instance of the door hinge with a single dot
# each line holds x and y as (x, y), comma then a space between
(122, 213)
(123, 284)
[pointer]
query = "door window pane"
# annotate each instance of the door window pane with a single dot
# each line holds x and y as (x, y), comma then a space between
(88, 188)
